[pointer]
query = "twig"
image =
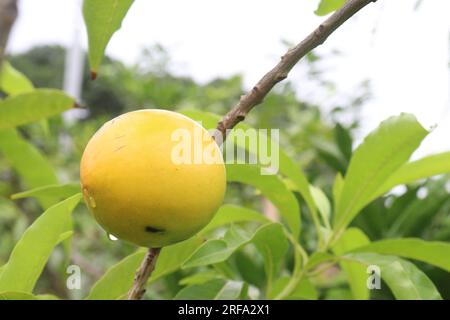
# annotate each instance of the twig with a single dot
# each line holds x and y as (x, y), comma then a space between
(143, 273)
(255, 97)
(282, 69)
(8, 15)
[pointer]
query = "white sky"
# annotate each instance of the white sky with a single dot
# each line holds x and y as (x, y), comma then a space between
(405, 53)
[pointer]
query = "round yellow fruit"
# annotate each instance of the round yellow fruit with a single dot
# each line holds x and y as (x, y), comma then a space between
(153, 177)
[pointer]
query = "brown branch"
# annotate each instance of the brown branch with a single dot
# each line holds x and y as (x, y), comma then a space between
(143, 273)
(8, 15)
(255, 97)
(282, 69)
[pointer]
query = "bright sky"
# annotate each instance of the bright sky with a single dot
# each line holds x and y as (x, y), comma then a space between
(402, 51)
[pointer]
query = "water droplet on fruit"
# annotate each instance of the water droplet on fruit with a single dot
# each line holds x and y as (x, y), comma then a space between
(112, 237)
(92, 202)
(90, 199)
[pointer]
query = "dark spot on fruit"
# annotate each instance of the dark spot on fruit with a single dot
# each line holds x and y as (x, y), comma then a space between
(153, 229)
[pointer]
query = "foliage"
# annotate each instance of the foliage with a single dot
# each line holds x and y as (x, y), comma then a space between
(328, 6)
(335, 214)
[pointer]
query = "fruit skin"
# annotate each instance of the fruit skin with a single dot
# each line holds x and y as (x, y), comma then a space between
(137, 192)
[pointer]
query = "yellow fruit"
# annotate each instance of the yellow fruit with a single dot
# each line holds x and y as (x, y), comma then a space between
(139, 188)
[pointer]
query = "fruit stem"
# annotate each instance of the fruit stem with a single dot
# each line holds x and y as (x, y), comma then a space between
(143, 273)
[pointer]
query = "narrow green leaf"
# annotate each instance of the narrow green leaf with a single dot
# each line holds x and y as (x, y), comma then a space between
(344, 141)
(337, 189)
(330, 153)
(213, 290)
(228, 214)
(271, 242)
(432, 252)
(338, 294)
(295, 174)
(218, 250)
(17, 296)
(305, 290)
(33, 106)
(8, 210)
(117, 281)
(29, 163)
(26, 296)
(174, 256)
(328, 6)
(54, 192)
(200, 278)
(13, 82)
(273, 188)
(322, 203)
(31, 253)
(406, 281)
(410, 220)
(382, 153)
(415, 170)
(318, 258)
(103, 18)
(356, 274)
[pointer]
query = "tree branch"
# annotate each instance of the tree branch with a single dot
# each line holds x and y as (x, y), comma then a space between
(282, 69)
(255, 97)
(143, 273)
(8, 15)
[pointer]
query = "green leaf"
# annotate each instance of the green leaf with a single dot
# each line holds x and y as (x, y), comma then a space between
(295, 174)
(328, 6)
(33, 106)
(228, 214)
(338, 294)
(405, 280)
(213, 290)
(322, 203)
(8, 210)
(17, 296)
(305, 290)
(337, 189)
(382, 153)
(344, 141)
(26, 296)
(431, 252)
(31, 253)
(419, 169)
(219, 250)
(29, 163)
(174, 256)
(410, 220)
(117, 281)
(103, 18)
(330, 153)
(13, 82)
(273, 188)
(200, 278)
(272, 243)
(318, 258)
(53, 193)
(356, 274)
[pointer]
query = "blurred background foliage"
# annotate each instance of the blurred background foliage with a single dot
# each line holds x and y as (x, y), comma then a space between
(317, 139)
